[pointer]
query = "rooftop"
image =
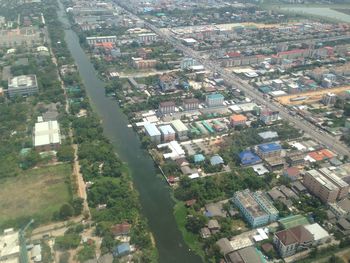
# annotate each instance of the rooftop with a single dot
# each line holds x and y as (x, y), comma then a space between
(215, 96)
(46, 133)
(152, 129)
(248, 157)
(166, 129)
(269, 147)
(9, 243)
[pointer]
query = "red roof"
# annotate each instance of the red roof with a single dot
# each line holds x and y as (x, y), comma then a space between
(121, 229)
(294, 51)
(106, 45)
(233, 54)
(321, 155)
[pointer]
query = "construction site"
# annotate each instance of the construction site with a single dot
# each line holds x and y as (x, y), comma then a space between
(309, 97)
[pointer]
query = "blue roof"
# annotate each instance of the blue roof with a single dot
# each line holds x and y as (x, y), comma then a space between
(216, 159)
(215, 96)
(199, 158)
(166, 129)
(152, 129)
(247, 158)
(122, 249)
(269, 147)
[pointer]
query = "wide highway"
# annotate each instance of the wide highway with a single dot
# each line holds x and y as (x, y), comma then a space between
(324, 138)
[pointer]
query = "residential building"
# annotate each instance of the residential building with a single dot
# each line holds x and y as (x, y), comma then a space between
(245, 255)
(256, 208)
(187, 63)
(340, 183)
(141, 63)
(147, 38)
(292, 173)
(294, 239)
(166, 107)
(191, 104)
(167, 133)
(121, 229)
(153, 132)
(101, 39)
(289, 241)
(268, 116)
(214, 100)
(216, 160)
(249, 158)
(238, 120)
(168, 82)
(121, 250)
(24, 85)
(295, 158)
(47, 136)
(180, 129)
(321, 186)
(266, 150)
(329, 99)
(268, 135)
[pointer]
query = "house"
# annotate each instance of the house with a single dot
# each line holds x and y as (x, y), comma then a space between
(295, 158)
(198, 158)
(121, 229)
(272, 149)
(168, 82)
(213, 226)
(289, 241)
(121, 250)
(249, 158)
(205, 232)
(292, 173)
(268, 135)
(245, 255)
(224, 245)
(238, 120)
(321, 155)
(216, 160)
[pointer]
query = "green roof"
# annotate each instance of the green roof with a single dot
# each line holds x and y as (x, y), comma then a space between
(292, 221)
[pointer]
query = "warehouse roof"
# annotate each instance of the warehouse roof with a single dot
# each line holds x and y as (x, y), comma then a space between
(46, 133)
(179, 126)
(151, 129)
(166, 129)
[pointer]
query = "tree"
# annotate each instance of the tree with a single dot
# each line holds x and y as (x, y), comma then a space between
(65, 153)
(66, 211)
(195, 223)
(77, 204)
(30, 159)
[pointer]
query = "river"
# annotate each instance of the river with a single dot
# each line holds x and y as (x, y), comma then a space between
(157, 204)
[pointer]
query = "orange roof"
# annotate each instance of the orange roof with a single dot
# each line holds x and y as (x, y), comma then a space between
(238, 118)
(321, 155)
(107, 45)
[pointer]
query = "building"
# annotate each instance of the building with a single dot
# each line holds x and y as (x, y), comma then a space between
(9, 246)
(121, 229)
(102, 39)
(153, 132)
(247, 254)
(147, 38)
(295, 158)
(122, 250)
(255, 207)
(267, 150)
(268, 135)
(329, 99)
(167, 107)
(291, 240)
(249, 158)
(168, 82)
(190, 104)
(325, 185)
(180, 129)
(26, 36)
(238, 120)
(292, 173)
(214, 100)
(47, 136)
(216, 160)
(187, 63)
(268, 116)
(24, 85)
(141, 63)
(167, 133)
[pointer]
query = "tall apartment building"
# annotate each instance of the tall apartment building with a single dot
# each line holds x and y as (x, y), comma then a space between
(255, 207)
(191, 104)
(166, 107)
(22, 86)
(102, 39)
(214, 100)
(146, 38)
(141, 63)
(325, 185)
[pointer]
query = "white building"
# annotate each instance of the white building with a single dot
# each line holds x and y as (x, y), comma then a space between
(23, 85)
(47, 135)
(9, 246)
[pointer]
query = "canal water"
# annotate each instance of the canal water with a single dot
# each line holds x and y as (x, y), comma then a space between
(155, 198)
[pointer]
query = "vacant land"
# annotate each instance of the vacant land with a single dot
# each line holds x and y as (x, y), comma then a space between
(35, 193)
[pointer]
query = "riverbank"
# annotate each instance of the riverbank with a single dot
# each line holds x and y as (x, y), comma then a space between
(154, 194)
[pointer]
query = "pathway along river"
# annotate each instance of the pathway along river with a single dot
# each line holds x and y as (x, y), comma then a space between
(156, 202)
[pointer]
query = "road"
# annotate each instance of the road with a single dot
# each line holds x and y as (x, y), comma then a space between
(236, 82)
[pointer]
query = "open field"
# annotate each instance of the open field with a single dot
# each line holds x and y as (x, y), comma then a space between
(36, 193)
(312, 96)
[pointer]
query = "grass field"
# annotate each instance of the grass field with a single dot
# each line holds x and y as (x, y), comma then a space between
(36, 193)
